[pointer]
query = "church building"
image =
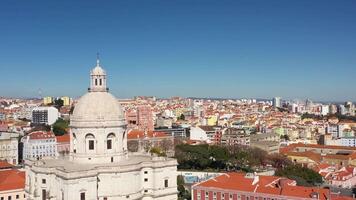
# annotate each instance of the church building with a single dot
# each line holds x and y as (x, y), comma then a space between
(99, 166)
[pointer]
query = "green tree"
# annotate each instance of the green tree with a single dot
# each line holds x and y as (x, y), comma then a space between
(181, 117)
(183, 194)
(58, 103)
(60, 127)
(158, 151)
(304, 176)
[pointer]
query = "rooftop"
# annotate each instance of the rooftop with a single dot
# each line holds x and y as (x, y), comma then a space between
(263, 184)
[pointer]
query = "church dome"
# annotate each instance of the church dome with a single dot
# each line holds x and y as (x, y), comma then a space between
(97, 106)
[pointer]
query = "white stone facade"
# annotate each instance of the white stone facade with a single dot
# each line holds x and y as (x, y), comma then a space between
(9, 147)
(98, 165)
(38, 145)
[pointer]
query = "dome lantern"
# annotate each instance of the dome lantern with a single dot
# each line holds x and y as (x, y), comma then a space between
(98, 78)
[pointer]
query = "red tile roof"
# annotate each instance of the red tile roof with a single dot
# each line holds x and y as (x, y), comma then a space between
(5, 165)
(39, 135)
(266, 184)
(12, 179)
(63, 138)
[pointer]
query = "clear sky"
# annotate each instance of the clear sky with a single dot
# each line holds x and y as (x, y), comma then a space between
(259, 49)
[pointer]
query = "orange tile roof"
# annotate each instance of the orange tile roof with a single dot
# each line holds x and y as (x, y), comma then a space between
(63, 138)
(265, 184)
(12, 179)
(135, 134)
(4, 164)
(38, 135)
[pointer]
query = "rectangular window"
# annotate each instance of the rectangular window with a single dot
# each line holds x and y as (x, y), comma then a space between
(108, 144)
(145, 172)
(17, 196)
(43, 181)
(146, 179)
(82, 196)
(166, 183)
(44, 193)
(91, 144)
(100, 82)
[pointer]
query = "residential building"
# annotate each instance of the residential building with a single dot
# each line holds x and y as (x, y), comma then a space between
(145, 118)
(66, 101)
(277, 102)
(39, 144)
(235, 136)
(9, 147)
(139, 140)
(44, 115)
(12, 184)
(63, 144)
(269, 146)
(47, 100)
(241, 186)
(337, 176)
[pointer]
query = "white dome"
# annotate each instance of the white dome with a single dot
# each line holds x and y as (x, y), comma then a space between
(97, 108)
(98, 71)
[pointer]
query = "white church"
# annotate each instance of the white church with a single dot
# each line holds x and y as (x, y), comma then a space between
(99, 166)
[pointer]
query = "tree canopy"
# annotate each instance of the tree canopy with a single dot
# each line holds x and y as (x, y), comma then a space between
(60, 127)
(304, 176)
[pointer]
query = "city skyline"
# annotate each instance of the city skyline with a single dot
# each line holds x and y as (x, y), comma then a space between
(216, 49)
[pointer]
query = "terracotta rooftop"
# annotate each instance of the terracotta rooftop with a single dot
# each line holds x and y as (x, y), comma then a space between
(12, 179)
(5, 165)
(63, 138)
(265, 184)
(39, 135)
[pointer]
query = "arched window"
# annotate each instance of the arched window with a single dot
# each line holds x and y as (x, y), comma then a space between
(100, 82)
(90, 141)
(96, 81)
(74, 143)
(109, 140)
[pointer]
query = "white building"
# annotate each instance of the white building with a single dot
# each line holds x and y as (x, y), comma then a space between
(348, 141)
(324, 110)
(44, 115)
(9, 147)
(38, 145)
(99, 166)
(277, 102)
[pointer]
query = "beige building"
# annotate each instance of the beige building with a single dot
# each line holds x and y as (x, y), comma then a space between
(9, 147)
(269, 146)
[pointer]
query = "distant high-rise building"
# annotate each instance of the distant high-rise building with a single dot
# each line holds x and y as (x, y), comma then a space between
(277, 102)
(66, 101)
(332, 109)
(324, 109)
(47, 100)
(341, 109)
(145, 117)
(350, 108)
(44, 115)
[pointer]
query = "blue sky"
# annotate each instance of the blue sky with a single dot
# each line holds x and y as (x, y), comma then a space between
(260, 49)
